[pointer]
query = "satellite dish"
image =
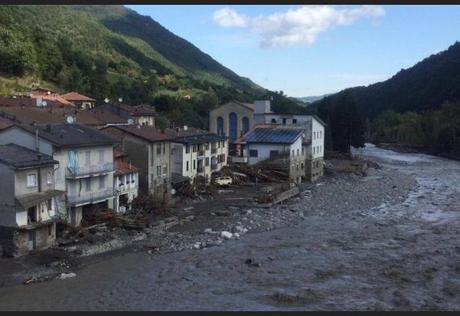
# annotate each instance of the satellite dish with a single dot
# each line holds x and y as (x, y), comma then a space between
(70, 119)
(106, 100)
(44, 103)
(130, 121)
(120, 100)
(49, 92)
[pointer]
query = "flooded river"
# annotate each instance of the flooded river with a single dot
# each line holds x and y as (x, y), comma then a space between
(395, 255)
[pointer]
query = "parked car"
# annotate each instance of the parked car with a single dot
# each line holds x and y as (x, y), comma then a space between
(223, 181)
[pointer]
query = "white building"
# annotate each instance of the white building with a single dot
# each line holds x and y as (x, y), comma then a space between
(126, 181)
(199, 155)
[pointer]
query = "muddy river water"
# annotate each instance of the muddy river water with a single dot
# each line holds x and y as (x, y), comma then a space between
(401, 255)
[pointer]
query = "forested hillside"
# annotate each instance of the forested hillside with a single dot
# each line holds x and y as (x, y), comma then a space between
(111, 51)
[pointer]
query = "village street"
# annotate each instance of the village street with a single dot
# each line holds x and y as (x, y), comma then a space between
(383, 242)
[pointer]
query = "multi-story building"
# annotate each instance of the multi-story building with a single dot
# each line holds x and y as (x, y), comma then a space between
(199, 155)
(150, 150)
(29, 205)
(280, 146)
(79, 100)
(227, 118)
(126, 181)
(139, 114)
(85, 157)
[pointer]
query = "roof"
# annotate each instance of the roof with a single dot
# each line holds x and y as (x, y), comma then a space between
(20, 157)
(272, 135)
(147, 133)
(30, 102)
(143, 109)
(98, 117)
(5, 123)
(39, 115)
(199, 139)
(75, 96)
(124, 167)
(31, 199)
(249, 106)
(53, 98)
(71, 135)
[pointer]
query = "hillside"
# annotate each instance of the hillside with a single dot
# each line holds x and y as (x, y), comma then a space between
(417, 108)
(112, 51)
(424, 86)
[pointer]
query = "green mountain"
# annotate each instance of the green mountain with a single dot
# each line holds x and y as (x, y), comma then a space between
(418, 107)
(112, 51)
(424, 86)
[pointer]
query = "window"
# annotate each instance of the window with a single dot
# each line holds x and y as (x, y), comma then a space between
(158, 171)
(294, 121)
(298, 152)
(88, 157)
(207, 161)
(194, 164)
(284, 121)
(101, 156)
(186, 166)
(223, 144)
(314, 150)
(32, 180)
(273, 121)
(233, 125)
(187, 149)
(49, 177)
(206, 146)
(48, 205)
(245, 124)
(293, 153)
(218, 144)
(303, 150)
(164, 149)
(253, 153)
(101, 182)
(301, 166)
(158, 149)
(88, 184)
(50, 229)
(32, 215)
(165, 169)
(220, 126)
(120, 181)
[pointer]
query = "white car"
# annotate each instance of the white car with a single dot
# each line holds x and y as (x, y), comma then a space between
(223, 181)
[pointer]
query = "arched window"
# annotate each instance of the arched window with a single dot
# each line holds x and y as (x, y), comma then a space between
(233, 125)
(220, 126)
(245, 123)
(273, 121)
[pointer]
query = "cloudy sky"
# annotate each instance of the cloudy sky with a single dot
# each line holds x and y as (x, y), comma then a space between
(312, 50)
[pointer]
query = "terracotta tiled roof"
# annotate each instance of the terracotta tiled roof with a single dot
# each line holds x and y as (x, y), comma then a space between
(75, 96)
(99, 117)
(55, 98)
(143, 109)
(148, 133)
(29, 102)
(30, 115)
(123, 167)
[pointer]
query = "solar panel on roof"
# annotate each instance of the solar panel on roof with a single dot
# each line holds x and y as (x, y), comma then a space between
(272, 135)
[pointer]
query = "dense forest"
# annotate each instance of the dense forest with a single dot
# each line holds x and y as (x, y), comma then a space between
(417, 107)
(113, 52)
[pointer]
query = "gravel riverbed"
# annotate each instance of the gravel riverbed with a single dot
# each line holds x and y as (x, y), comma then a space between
(388, 241)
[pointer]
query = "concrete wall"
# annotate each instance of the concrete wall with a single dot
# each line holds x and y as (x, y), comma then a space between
(224, 111)
(7, 200)
(46, 179)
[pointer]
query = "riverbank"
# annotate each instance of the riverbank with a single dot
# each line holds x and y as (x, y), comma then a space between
(406, 149)
(212, 223)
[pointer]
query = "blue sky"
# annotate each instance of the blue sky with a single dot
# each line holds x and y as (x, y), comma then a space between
(312, 50)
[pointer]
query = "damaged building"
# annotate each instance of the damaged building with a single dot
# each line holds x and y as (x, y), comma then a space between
(29, 206)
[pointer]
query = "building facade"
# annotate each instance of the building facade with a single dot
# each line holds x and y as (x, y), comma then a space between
(29, 205)
(126, 182)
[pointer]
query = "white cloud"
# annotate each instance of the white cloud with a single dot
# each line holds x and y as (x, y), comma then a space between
(296, 26)
(227, 17)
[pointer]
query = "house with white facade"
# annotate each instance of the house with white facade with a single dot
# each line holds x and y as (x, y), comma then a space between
(126, 181)
(85, 157)
(28, 200)
(198, 155)
(268, 142)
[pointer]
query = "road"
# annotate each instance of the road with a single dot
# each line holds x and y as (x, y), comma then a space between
(400, 255)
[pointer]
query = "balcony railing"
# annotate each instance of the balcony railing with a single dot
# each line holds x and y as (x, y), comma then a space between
(90, 197)
(82, 171)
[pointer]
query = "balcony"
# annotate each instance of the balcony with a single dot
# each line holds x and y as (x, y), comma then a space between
(200, 153)
(89, 197)
(237, 159)
(88, 171)
(213, 150)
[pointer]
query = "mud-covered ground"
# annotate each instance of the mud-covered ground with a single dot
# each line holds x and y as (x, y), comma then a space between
(383, 242)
